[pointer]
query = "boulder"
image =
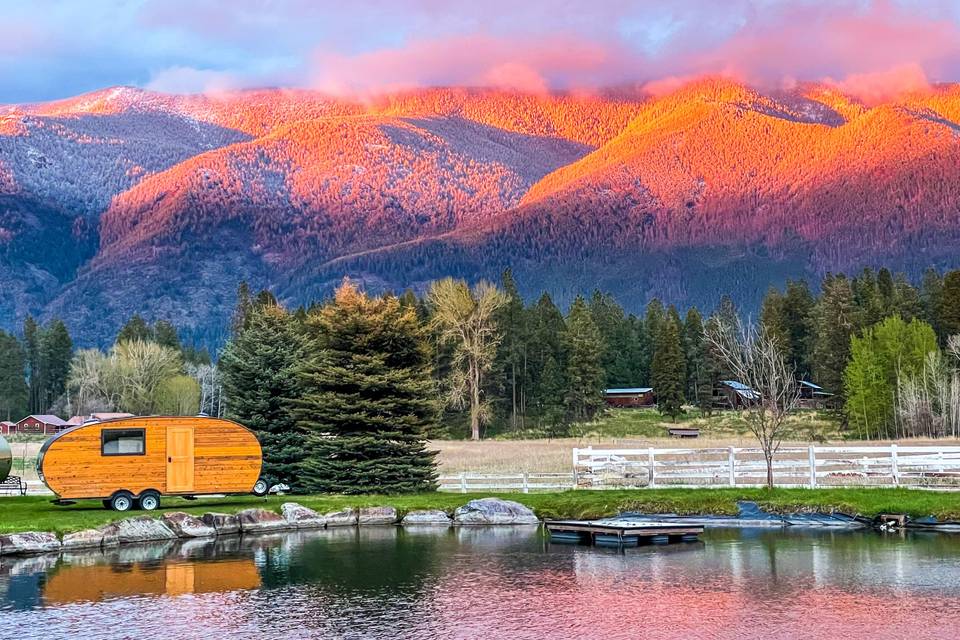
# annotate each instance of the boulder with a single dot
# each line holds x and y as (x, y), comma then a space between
(261, 520)
(138, 529)
(188, 526)
(343, 518)
(224, 524)
(494, 511)
(433, 517)
(86, 539)
(301, 517)
(32, 542)
(377, 515)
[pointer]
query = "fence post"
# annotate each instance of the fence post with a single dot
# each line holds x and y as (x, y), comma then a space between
(812, 456)
(463, 482)
(940, 460)
(576, 459)
(526, 482)
(893, 465)
(731, 467)
(650, 462)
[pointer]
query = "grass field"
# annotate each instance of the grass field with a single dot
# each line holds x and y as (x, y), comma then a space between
(35, 513)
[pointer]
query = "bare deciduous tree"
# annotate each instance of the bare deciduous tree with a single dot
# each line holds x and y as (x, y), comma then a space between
(758, 362)
(464, 318)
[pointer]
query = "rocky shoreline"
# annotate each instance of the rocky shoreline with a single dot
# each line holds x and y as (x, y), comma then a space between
(175, 525)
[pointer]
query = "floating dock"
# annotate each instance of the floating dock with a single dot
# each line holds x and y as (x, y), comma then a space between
(621, 532)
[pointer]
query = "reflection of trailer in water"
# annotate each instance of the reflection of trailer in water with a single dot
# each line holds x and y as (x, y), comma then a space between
(177, 576)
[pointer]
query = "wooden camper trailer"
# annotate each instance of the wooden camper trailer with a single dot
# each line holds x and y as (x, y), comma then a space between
(131, 462)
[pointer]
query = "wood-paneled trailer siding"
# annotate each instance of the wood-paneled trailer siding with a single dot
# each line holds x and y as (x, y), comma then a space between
(227, 459)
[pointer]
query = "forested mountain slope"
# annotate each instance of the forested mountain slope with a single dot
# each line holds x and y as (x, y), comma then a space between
(159, 204)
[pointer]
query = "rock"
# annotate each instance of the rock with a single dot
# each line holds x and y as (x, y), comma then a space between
(224, 524)
(301, 517)
(86, 539)
(28, 543)
(188, 526)
(494, 511)
(260, 520)
(377, 515)
(343, 518)
(138, 529)
(433, 517)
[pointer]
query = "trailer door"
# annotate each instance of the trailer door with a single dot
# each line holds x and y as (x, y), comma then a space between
(179, 459)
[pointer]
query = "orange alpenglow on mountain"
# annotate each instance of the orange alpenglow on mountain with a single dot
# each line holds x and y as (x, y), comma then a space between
(150, 202)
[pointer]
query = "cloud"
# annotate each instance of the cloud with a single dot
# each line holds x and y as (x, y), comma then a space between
(530, 64)
(189, 80)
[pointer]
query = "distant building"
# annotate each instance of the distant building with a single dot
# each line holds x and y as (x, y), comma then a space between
(814, 397)
(43, 425)
(6, 426)
(633, 397)
(733, 394)
(96, 417)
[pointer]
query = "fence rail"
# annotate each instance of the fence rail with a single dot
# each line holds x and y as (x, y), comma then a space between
(876, 466)
(524, 482)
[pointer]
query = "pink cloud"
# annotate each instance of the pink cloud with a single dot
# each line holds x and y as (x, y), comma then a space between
(530, 64)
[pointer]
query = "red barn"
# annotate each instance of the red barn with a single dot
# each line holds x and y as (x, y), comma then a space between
(633, 397)
(6, 427)
(44, 425)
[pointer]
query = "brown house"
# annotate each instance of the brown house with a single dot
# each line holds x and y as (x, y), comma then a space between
(732, 394)
(632, 398)
(43, 425)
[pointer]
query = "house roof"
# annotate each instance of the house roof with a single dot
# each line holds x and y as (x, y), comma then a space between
(110, 416)
(611, 392)
(48, 419)
(76, 420)
(735, 384)
(807, 383)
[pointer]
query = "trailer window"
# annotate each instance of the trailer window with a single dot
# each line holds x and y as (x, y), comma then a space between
(123, 442)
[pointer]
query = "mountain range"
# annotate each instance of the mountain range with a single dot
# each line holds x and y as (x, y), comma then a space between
(125, 200)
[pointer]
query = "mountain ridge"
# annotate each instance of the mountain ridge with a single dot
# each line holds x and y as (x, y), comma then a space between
(168, 201)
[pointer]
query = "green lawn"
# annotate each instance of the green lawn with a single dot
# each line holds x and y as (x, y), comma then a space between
(38, 514)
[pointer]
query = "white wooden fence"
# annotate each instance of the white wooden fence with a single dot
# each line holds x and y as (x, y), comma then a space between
(876, 466)
(525, 482)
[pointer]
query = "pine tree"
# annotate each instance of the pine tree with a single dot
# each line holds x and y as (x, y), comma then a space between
(695, 352)
(585, 375)
(798, 311)
(652, 323)
(511, 354)
(136, 328)
(546, 327)
(14, 393)
(165, 334)
(31, 344)
(618, 339)
(258, 368)
(836, 319)
(931, 290)
(773, 318)
(367, 397)
(948, 307)
(668, 371)
(56, 351)
(714, 369)
(242, 311)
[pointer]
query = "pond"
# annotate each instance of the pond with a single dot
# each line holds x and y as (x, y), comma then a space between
(492, 583)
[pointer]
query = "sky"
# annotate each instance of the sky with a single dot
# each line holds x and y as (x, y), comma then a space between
(59, 48)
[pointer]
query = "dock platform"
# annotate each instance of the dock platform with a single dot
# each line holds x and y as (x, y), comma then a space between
(621, 532)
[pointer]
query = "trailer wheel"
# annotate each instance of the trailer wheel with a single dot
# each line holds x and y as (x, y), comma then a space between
(261, 488)
(149, 500)
(121, 501)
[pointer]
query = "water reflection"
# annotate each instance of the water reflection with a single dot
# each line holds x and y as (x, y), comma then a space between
(387, 582)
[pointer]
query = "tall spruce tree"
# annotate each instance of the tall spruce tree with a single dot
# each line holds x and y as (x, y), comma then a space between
(165, 335)
(694, 350)
(931, 290)
(136, 328)
(585, 376)
(258, 368)
(798, 312)
(512, 352)
(618, 340)
(836, 319)
(56, 352)
(14, 393)
(367, 399)
(668, 370)
(652, 323)
(32, 335)
(948, 307)
(547, 383)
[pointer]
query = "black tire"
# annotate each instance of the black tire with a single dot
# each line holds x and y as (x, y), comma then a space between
(106, 503)
(148, 501)
(261, 488)
(122, 501)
